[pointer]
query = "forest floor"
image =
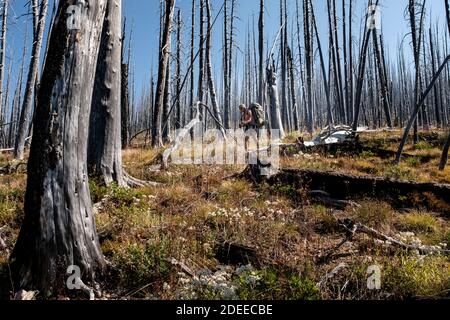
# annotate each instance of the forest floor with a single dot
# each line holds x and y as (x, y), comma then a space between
(201, 235)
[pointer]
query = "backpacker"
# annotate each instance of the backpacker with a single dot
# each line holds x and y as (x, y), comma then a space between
(258, 115)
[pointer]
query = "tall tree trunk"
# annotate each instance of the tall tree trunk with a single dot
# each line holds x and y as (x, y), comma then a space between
(261, 89)
(162, 74)
(324, 73)
(2, 65)
(192, 57)
(178, 117)
(24, 123)
(383, 78)
(211, 85)
(58, 230)
(105, 143)
(362, 69)
(201, 72)
(309, 65)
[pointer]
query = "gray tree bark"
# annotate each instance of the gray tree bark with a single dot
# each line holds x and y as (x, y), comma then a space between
(59, 230)
(211, 85)
(39, 16)
(105, 143)
(2, 64)
(162, 74)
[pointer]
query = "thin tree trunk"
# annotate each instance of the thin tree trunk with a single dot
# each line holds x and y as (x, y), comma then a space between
(162, 74)
(2, 64)
(58, 230)
(418, 107)
(261, 89)
(211, 85)
(362, 69)
(24, 123)
(178, 118)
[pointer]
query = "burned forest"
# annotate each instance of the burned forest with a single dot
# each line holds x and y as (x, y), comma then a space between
(261, 150)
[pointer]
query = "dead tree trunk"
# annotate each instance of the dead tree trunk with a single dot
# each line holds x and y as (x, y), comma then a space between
(274, 104)
(164, 56)
(362, 68)
(2, 64)
(383, 78)
(309, 65)
(105, 143)
(261, 89)
(417, 108)
(211, 85)
(178, 118)
(58, 230)
(125, 93)
(324, 73)
(24, 123)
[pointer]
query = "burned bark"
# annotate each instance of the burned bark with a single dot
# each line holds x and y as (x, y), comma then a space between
(105, 143)
(59, 230)
(39, 16)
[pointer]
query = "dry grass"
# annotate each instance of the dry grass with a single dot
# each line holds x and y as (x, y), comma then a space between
(197, 208)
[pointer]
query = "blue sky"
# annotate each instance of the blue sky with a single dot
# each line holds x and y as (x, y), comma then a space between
(144, 15)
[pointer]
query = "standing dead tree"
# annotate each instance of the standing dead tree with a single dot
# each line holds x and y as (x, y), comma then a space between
(209, 71)
(164, 56)
(444, 157)
(4, 29)
(362, 61)
(58, 229)
(39, 17)
(105, 143)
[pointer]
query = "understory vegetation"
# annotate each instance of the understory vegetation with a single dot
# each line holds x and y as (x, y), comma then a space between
(204, 235)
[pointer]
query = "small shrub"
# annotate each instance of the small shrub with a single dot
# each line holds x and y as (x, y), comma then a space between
(374, 213)
(423, 145)
(417, 222)
(273, 284)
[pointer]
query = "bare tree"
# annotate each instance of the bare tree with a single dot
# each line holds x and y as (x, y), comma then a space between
(2, 64)
(58, 230)
(211, 85)
(105, 143)
(164, 56)
(39, 17)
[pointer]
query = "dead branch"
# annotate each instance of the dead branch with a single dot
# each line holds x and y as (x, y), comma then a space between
(355, 228)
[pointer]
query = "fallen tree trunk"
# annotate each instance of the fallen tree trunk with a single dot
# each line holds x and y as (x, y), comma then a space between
(405, 194)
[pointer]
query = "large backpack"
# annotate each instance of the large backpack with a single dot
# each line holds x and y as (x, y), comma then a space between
(258, 115)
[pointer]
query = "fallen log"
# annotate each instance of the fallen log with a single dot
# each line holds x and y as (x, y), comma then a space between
(402, 194)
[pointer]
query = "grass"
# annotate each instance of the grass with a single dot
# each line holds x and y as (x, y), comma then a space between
(197, 208)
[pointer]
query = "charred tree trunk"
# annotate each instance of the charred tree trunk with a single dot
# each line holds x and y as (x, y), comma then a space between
(162, 74)
(261, 89)
(58, 230)
(178, 117)
(211, 86)
(105, 143)
(2, 65)
(362, 68)
(24, 123)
